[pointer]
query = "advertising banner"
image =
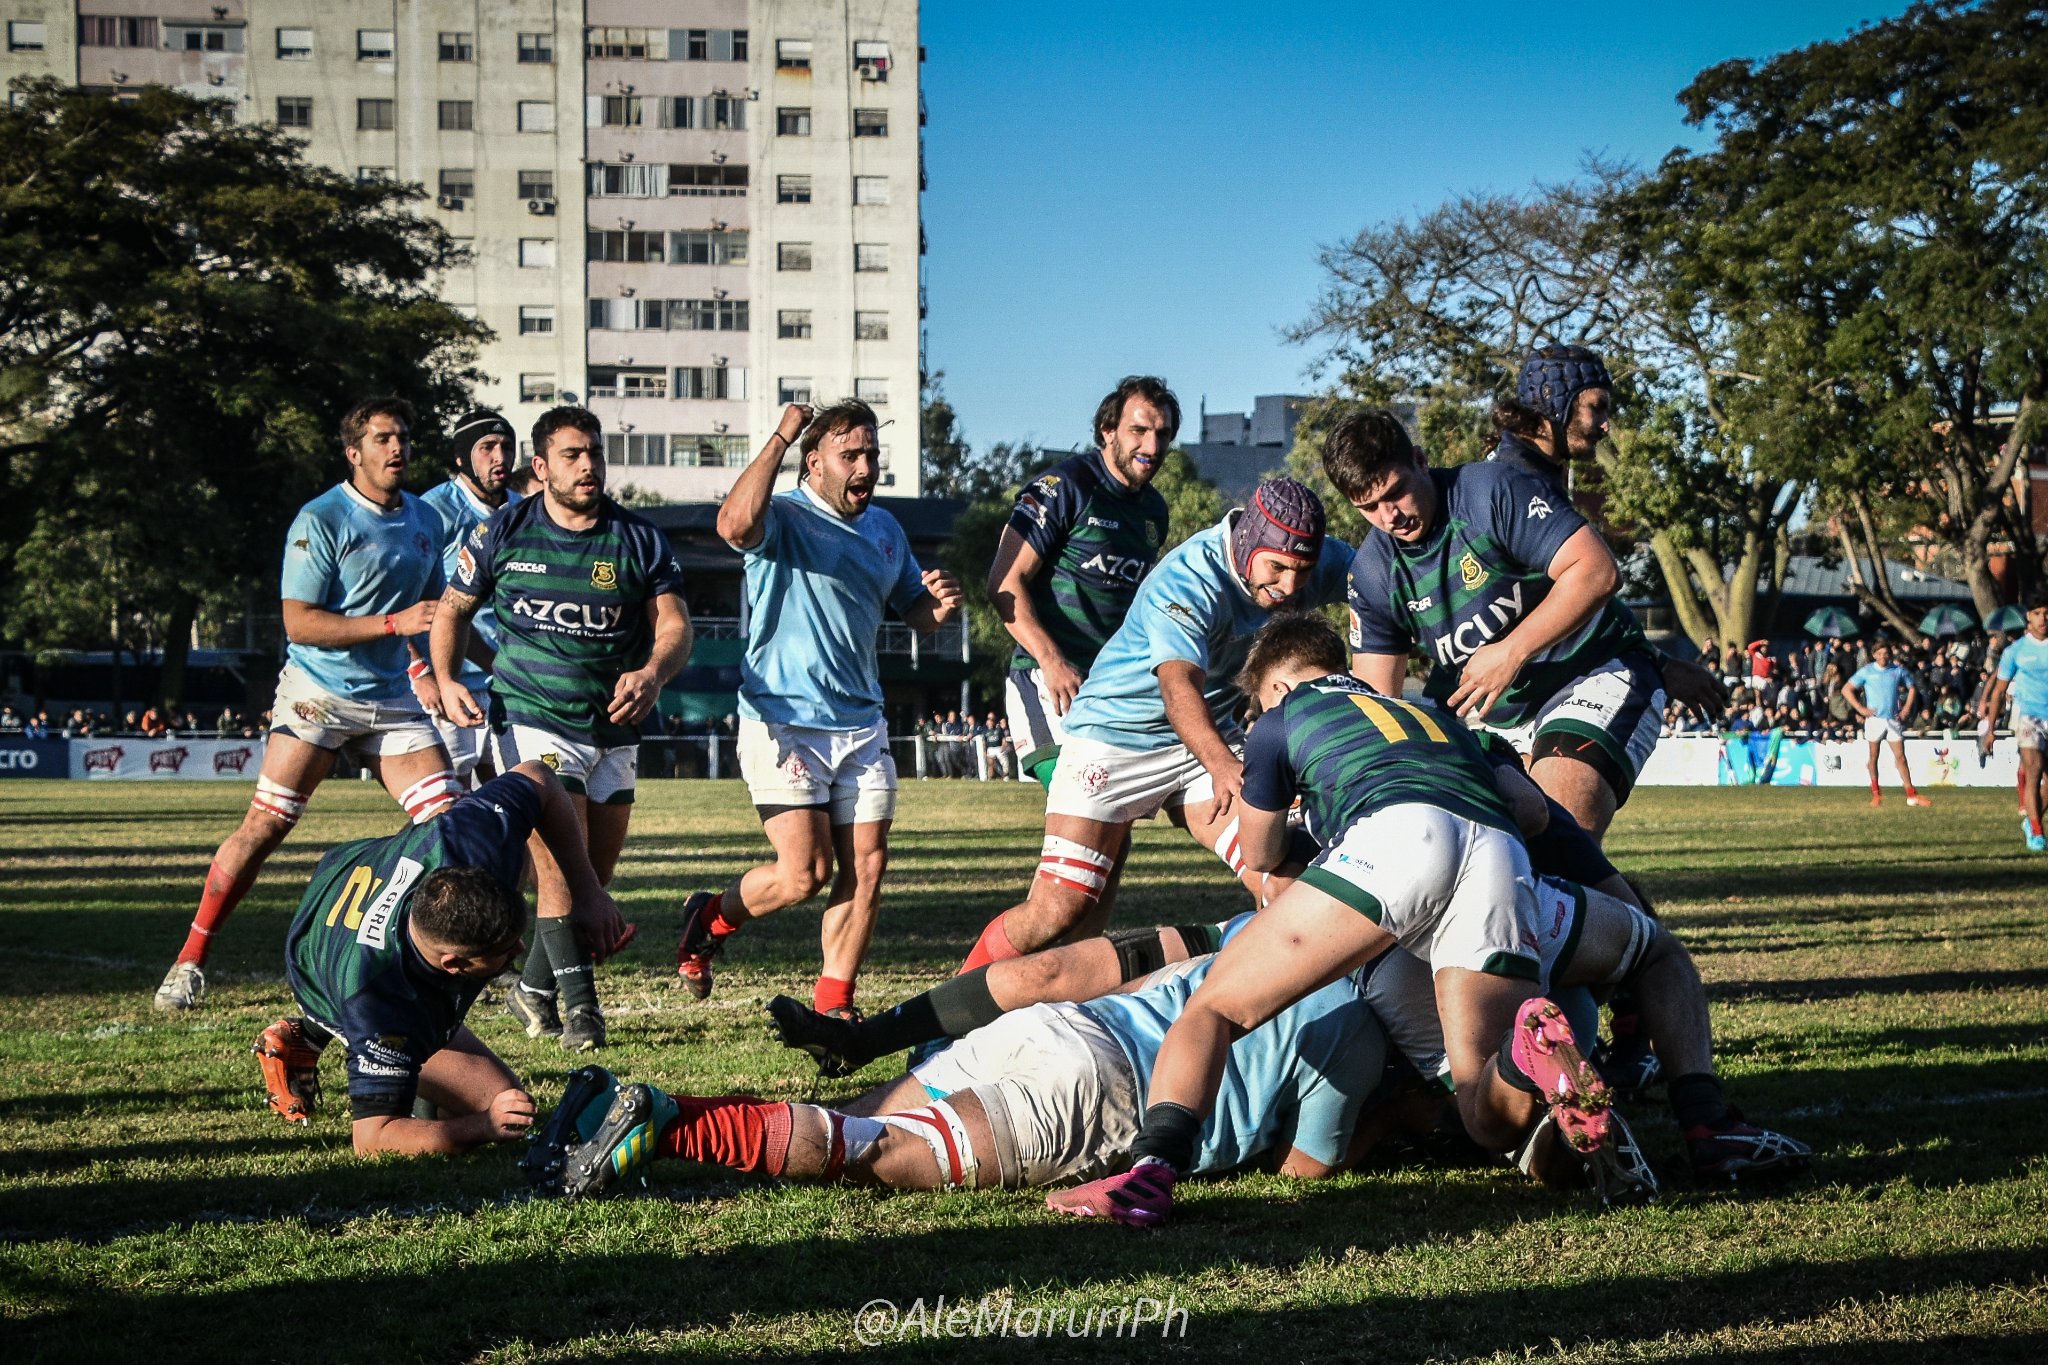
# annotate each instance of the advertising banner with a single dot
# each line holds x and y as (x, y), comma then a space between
(126, 756)
(21, 757)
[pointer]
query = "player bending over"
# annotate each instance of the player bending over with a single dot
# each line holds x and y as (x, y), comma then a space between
(393, 940)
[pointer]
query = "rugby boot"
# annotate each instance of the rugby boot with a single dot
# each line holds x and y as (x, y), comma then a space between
(184, 986)
(535, 1012)
(831, 1041)
(291, 1071)
(586, 1099)
(583, 1029)
(1138, 1198)
(698, 946)
(1541, 1046)
(623, 1143)
(1617, 1173)
(1733, 1150)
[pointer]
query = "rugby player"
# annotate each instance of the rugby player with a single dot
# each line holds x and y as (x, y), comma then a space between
(2023, 675)
(591, 626)
(1044, 1095)
(1883, 693)
(822, 565)
(1080, 537)
(1153, 727)
(392, 942)
(362, 578)
(484, 447)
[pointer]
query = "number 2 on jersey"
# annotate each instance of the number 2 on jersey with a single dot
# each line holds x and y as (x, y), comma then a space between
(362, 884)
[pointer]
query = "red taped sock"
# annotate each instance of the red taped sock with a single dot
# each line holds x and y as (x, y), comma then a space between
(993, 946)
(715, 921)
(831, 994)
(738, 1131)
(216, 903)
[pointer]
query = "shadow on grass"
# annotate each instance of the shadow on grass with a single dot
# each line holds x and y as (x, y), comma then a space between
(1844, 987)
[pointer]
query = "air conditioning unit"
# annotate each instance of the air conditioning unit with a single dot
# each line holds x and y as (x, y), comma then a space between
(873, 68)
(541, 208)
(449, 201)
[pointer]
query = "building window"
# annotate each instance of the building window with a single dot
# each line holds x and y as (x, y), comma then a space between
(873, 392)
(372, 175)
(793, 54)
(116, 31)
(537, 253)
(536, 320)
(458, 47)
(871, 189)
(376, 116)
(793, 324)
(711, 382)
(713, 113)
(626, 44)
(295, 44)
(708, 248)
(792, 122)
(632, 448)
(619, 111)
(610, 382)
(713, 181)
(871, 257)
(793, 388)
(625, 246)
(634, 180)
(707, 315)
(793, 256)
(458, 185)
(537, 49)
(536, 184)
(374, 44)
(723, 451)
(792, 189)
(536, 388)
(870, 326)
(25, 36)
(294, 111)
(707, 44)
(458, 116)
(871, 123)
(871, 61)
(536, 116)
(201, 38)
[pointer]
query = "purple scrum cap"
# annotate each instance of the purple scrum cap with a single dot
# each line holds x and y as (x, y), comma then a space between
(1285, 518)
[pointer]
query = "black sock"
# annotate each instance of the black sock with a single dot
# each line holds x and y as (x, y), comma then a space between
(575, 977)
(953, 1008)
(1504, 1062)
(1169, 1135)
(538, 977)
(1696, 1099)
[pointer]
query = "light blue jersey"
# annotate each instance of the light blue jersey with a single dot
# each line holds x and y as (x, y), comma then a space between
(2025, 666)
(1191, 607)
(1299, 1080)
(461, 512)
(347, 555)
(1882, 688)
(816, 588)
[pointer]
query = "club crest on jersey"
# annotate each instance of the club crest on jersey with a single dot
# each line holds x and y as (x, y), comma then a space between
(465, 562)
(604, 576)
(1538, 508)
(1470, 574)
(1152, 534)
(552, 761)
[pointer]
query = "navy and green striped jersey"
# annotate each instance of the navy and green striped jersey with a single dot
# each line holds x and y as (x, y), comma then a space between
(572, 613)
(1095, 539)
(1474, 578)
(350, 956)
(1348, 751)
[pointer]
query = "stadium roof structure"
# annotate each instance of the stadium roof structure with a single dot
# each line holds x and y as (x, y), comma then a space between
(1810, 576)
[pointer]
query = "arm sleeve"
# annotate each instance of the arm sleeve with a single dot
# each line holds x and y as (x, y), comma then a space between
(664, 572)
(1268, 776)
(387, 1046)
(2009, 664)
(1045, 511)
(489, 827)
(909, 581)
(476, 562)
(1533, 521)
(1375, 629)
(309, 561)
(774, 521)
(1172, 618)
(1333, 572)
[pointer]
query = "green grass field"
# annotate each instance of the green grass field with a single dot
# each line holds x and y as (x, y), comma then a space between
(1879, 983)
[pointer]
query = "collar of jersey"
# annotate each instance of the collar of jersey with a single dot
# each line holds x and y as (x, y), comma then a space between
(375, 509)
(804, 488)
(482, 508)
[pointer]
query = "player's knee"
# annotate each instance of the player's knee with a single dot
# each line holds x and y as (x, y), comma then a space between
(1072, 875)
(869, 865)
(431, 795)
(273, 811)
(801, 879)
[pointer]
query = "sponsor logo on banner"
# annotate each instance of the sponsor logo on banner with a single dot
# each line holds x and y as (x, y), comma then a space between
(104, 760)
(207, 759)
(169, 760)
(233, 760)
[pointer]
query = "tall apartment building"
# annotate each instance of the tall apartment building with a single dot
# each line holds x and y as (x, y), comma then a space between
(682, 213)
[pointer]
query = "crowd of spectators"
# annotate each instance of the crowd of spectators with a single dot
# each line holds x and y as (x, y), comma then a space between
(149, 723)
(958, 746)
(1798, 689)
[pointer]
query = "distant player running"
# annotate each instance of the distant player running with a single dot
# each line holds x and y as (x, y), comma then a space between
(2023, 675)
(1883, 693)
(822, 565)
(1512, 597)
(592, 625)
(362, 578)
(1045, 1095)
(393, 940)
(1154, 726)
(1080, 537)
(484, 447)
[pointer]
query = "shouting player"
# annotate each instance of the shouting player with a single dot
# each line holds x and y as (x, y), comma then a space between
(822, 565)
(483, 446)
(362, 578)
(392, 942)
(1080, 537)
(591, 627)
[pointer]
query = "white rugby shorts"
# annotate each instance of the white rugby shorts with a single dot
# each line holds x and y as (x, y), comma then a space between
(850, 771)
(1113, 785)
(1038, 731)
(2030, 731)
(1618, 706)
(605, 776)
(1882, 729)
(467, 745)
(362, 729)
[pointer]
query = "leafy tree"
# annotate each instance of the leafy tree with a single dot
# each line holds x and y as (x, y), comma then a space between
(951, 469)
(188, 307)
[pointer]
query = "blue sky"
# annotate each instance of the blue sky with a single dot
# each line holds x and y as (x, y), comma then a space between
(1122, 187)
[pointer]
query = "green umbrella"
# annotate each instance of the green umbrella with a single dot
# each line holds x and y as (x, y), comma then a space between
(1831, 623)
(1947, 620)
(2006, 618)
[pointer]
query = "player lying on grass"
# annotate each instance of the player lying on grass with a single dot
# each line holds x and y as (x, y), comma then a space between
(1044, 1095)
(392, 942)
